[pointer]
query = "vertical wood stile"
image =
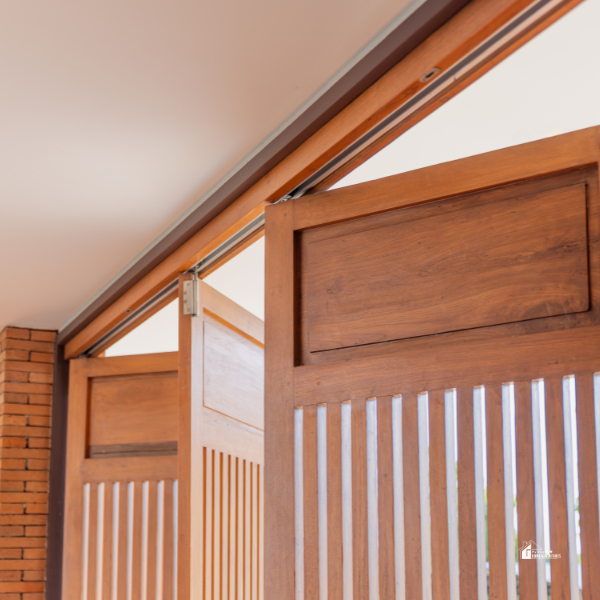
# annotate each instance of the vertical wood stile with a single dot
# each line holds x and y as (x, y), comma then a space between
(311, 525)
(498, 580)
(438, 497)
(525, 487)
(122, 531)
(398, 498)
(233, 528)
(217, 530)
(412, 503)
(261, 532)
(168, 543)
(387, 575)
(588, 483)
(151, 566)
(467, 525)
(208, 521)
(93, 543)
(254, 531)
(247, 529)
(334, 502)
(225, 528)
(360, 567)
(107, 543)
(136, 570)
(557, 497)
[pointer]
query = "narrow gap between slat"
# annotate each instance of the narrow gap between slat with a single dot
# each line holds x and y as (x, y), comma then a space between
(130, 492)
(160, 526)
(298, 502)
(399, 550)
(452, 491)
(322, 498)
(480, 466)
(99, 540)
(85, 541)
(347, 576)
(423, 441)
(175, 537)
(372, 500)
(144, 566)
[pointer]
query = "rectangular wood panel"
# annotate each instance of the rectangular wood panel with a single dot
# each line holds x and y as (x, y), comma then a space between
(487, 260)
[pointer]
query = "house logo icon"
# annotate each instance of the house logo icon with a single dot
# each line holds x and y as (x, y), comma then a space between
(530, 550)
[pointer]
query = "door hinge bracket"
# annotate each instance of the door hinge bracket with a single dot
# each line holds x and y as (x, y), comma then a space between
(190, 296)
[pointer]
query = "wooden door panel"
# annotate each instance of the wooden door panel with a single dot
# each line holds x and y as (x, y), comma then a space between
(430, 338)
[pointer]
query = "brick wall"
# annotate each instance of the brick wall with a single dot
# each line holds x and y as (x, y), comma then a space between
(26, 357)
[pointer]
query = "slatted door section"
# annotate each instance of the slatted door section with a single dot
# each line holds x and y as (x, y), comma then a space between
(121, 493)
(221, 451)
(433, 360)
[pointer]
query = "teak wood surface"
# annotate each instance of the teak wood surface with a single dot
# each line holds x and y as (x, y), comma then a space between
(221, 450)
(551, 194)
(478, 21)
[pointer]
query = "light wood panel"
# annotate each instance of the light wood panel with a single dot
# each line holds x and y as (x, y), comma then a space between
(478, 21)
(221, 451)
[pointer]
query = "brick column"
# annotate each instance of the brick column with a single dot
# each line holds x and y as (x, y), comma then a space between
(26, 357)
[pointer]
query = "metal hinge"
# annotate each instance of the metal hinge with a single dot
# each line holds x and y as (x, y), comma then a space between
(190, 296)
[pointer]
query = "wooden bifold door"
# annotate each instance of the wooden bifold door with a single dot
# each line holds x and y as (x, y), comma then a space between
(433, 360)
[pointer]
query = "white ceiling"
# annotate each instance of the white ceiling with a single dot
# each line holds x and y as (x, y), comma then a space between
(117, 117)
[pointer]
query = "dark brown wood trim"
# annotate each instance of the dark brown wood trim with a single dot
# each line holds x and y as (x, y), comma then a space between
(405, 38)
(56, 500)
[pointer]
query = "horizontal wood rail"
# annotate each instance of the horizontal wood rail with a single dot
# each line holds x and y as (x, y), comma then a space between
(463, 33)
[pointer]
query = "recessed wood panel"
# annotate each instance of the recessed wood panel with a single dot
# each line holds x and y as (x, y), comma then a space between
(133, 410)
(233, 374)
(448, 266)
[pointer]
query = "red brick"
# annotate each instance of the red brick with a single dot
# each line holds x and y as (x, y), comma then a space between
(11, 531)
(40, 399)
(27, 367)
(25, 475)
(35, 464)
(22, 543)
(13, 553)
(12, 486)
(10, 596)
(13, 442)
(13, 509)
(13, 419)
(22, 586)
(42, 357)
(24, 453)
(10, 575)
(34, 575)
(18, 333)
(24, 410)
(32, 553)
(23, 520)
(36, 509)
(39, 443)
(35, 531)
(25, 497)
(13, 398)
(25, 388)
(13, 376)
(36, 421)
(22, 565)
(42, 335)
(41, 377)
(36, 486)
(14, 344)
(24, 431)
(33, 596)
(14, 355)
(14, 464)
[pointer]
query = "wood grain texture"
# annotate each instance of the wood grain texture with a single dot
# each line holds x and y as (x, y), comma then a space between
(311, 522)
(588, 487)
(496, 516)
(465, 31)
(557, 493)
(438, 497)
(384, 278)
(412, 501)
(525, 487)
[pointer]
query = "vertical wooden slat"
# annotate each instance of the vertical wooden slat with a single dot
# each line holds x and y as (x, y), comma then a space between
(588, 487)
(334, 502)
(247, 529)
(412, 502)
(136, 572)
(498, 583)
(438, 497)
(152, 540)
(467, 525)
(525, 487)
(387, 575)
(240, 530)
(122, 544)
(360, 571)
(254, 531)
(93, 542)
(557, 497)
(168, 543)
(217, 532)
(261, 532)
(225, 528)
(311, 539)
(208, 521)
(107, 542)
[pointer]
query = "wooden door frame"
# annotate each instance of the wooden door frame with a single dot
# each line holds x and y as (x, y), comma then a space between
(439, 33)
